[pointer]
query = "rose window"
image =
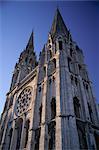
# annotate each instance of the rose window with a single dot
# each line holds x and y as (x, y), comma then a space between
(23, 101)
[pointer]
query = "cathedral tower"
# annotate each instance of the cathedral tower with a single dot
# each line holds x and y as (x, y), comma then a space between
(50, 104)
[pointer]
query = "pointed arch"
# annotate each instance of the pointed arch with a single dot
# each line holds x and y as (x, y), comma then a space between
(10, 137)
(19, 124)
(37, 138)
(50, 53)
(51, 135)
(76, 107)
(54, 61)
(82, 135)
(53, 108)
(40, 114)
(27, 126)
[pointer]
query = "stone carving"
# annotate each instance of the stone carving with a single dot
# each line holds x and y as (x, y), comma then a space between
(23, 101)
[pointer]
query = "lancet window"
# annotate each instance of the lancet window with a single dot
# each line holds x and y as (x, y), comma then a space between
(19, 130)
(37, 139)
(53, 108)
(60, 45)
(27, 132)
(76, 107)
(90, 112)
(40, 114)
(10, 137)
(51, 135)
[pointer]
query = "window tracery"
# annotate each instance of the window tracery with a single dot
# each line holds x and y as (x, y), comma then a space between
(23, 101)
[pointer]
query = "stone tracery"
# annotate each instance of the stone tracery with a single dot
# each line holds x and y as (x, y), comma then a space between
(23, 101)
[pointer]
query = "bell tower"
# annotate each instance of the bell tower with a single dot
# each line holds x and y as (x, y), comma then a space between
(50, 105)
(26, 63)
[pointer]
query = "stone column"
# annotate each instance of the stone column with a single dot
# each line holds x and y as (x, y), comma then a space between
(93, 105)
(42, 137)
(2, 146)
(31, 132)
(5, 131)
(84, 99)
(68, 121)
(14, 134)
(58, 136)
(23, 133)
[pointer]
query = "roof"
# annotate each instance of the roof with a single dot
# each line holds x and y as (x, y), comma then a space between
(58, 25)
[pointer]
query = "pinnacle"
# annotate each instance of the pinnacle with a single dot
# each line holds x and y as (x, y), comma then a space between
(30, 42)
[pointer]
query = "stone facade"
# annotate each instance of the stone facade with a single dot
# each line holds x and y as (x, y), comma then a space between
(50, 104)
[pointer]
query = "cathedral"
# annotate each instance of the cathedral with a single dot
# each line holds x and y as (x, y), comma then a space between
(50, 104)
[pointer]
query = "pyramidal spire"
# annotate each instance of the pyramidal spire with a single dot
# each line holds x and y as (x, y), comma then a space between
(58, 25)
(31, 41)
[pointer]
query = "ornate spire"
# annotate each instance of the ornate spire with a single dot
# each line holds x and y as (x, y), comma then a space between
(27, 62)
(58, 25)
(30, 42)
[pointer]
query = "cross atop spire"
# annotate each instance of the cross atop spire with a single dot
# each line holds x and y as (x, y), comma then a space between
(58, 25)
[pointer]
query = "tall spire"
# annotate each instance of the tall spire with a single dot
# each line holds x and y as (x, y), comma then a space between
(30, 42)
(58, 25)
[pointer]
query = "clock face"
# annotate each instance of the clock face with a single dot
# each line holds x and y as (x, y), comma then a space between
(23, 101)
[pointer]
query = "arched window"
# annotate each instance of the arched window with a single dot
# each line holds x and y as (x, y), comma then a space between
(87, 87)
(10, 136)
(69, 64)
(76, 81)
(19, 130)
(55, 48)
(50, 46)
(60, 45)
(80, 68)
(76, 107)
(27, 132)
(72, 80)
(26, 59)
(51, 135)
(44, 71)
(90, 112)
(40, 114)
(11, 101)
(54, 61)
(53, 108)
(82, 136)
(30, 61)
(40, 89)
(37, 138)
(6, 105)
(50, 53)
(71, 52)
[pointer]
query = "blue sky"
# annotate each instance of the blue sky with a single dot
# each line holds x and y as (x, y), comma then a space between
(18, 19)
